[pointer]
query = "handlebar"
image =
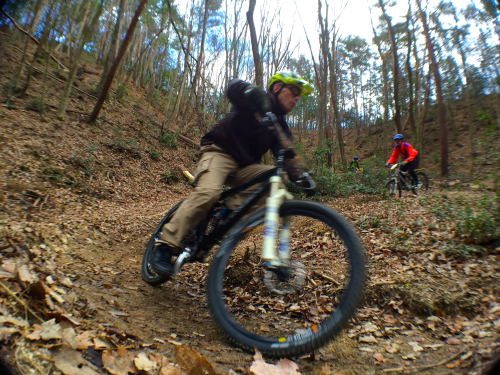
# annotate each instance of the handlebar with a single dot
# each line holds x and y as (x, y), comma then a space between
(305, 181)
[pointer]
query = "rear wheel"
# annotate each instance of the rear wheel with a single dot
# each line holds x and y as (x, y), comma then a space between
(423, 179)
(297, 313)
(148, 275)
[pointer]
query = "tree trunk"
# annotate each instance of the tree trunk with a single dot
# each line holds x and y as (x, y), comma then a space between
(114, 67)
(409, 71)
(199, 63)
(385, 75)
(259, 75)
(85, 36)
(113, 50)
(334, 99)
(443, 126)
(395, 68)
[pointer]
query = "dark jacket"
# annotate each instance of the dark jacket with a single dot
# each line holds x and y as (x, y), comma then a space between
(239, 133)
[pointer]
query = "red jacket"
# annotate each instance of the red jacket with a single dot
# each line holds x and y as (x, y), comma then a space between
(405, 150)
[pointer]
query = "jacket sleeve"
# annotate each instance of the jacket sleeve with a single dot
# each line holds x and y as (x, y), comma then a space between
(412, 153)
(394, 156)
(235, 92)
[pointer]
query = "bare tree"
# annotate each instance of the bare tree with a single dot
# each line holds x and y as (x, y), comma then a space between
(259, 76)
(395, 67)
(114, 67)
(443, 127)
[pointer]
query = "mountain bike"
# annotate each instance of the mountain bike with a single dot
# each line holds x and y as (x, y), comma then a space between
(401, 180)
(286, 278)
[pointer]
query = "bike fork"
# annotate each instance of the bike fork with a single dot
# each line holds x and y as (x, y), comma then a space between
(275, 258)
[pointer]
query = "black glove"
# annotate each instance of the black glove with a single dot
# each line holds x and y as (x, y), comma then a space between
(257, 100)
(387, 165)
(294, 169)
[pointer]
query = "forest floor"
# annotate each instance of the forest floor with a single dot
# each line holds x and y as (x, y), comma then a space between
(78, 203)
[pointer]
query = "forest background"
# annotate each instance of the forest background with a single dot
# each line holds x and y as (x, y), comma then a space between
(431, 54)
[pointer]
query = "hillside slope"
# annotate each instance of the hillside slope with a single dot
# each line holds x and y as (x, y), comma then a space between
(79, 202)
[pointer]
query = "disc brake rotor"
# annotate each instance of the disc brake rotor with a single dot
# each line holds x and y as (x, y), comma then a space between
(292, 285)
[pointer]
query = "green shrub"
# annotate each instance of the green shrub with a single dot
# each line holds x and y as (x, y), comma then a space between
(332, 184)
(475, 221)
(52, 174)
(121, 93)
(479, 224)
(168, 140)
(36, 105)
(126, 146)
(85, 163)
(171, 177)
(459, 250)
(154, 155)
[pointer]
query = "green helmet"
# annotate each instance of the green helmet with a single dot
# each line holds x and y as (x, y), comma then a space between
(290, 78)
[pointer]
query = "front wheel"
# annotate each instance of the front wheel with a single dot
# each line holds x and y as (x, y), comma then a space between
(147, 273)
(394, 188)
(256, 308)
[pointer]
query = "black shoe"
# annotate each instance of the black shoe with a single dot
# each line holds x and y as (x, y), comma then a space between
(161, 261)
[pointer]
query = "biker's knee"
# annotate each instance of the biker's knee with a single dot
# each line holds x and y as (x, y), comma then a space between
(207, 195)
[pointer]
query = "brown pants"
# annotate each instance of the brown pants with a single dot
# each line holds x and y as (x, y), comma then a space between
(211, 175)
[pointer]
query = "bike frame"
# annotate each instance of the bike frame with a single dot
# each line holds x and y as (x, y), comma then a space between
(400, 176)
(273, 256)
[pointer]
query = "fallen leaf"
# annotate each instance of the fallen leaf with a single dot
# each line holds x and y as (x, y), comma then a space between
(102, 342)
(192, 361)
(142, 362)
(118, 362)
(370, 327)
(47, 331)
(284, 367)
(171, 370)
(415, 346)
(25, 275)
(368, 339)
(453, 341)
(71, 362)
(393, 348)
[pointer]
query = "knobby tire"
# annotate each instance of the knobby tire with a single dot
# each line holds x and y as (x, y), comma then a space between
(298, 322)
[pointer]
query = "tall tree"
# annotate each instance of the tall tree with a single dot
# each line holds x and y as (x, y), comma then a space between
(395, 67)
(114, 67)
(443, 127)
(259, 75)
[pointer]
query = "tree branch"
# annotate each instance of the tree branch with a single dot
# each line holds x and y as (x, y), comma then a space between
(34, 39)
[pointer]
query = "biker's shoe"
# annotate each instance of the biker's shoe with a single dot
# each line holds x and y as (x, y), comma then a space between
(161, 261)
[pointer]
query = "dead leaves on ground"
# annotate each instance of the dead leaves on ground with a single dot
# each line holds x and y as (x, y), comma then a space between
(63, 342)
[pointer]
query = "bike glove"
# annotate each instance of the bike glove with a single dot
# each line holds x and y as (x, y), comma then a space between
(294, 169)
(402, 163)
(257, 100)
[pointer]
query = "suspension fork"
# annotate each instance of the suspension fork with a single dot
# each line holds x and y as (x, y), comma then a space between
(273, 257)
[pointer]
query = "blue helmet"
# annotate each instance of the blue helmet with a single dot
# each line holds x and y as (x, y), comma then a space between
(355, 157)
(398, 136)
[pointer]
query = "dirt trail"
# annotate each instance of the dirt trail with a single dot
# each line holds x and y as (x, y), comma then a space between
(103, 258)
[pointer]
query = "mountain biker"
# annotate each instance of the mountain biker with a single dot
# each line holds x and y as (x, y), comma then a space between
(411, 158)
(231, 154)
(354, 166)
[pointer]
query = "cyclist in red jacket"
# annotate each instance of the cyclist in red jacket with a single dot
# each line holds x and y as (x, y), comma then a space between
(410, 157)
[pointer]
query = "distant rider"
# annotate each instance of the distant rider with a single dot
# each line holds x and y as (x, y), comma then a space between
(231, 154)
(410, 156)
(354, 166)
